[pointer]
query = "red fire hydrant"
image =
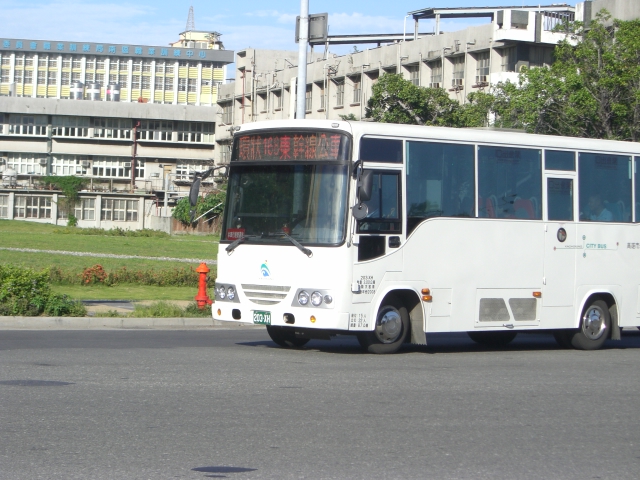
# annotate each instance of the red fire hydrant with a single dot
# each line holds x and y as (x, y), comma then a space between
(202, 298)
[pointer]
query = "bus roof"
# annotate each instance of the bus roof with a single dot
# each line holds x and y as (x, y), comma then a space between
(448, 134)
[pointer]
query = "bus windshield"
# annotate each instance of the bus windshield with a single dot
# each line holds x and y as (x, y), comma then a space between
(307, 202)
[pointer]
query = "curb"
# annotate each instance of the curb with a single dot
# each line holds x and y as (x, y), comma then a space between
(108, 323)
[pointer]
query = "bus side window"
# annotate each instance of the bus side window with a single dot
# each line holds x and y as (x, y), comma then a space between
(510, 179)
(384, 205)
(604, 187)
(381, 150)
(440, 181)
(560, 199)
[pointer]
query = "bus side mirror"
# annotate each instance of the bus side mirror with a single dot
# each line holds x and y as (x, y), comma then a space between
(365, 186)
(194, 191)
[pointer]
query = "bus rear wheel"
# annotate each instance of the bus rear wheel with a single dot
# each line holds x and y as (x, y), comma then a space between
(595, 326)
(285, 337)
(493, 339)
(390, 332)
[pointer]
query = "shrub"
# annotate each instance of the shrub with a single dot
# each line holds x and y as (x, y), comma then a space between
(24, 291)
(113, 232)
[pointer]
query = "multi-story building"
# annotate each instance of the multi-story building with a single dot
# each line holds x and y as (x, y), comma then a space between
(142, 153)
(461, 62)
(185, 74)
(128, 118)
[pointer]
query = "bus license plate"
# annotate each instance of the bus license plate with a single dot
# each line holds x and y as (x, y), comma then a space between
(261, 318)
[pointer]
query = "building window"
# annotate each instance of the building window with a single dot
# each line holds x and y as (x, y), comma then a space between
(42, 61)
(192, 85)
(32, 207)
(135, 82)
(277, 101)
(111, 167)
(5, 76)
(182, 84)
(168, 70)
(19, 61)
(458, 71)
(29, 61)
(436, 74)
(117, 128)
(196, 132)
(227, 113)
(53, 78)
(76, 62)
(482, 68)
(414, 74)
(85, 209)
(357, 90)
(159, 84)
(69, 165)
(119, 210)
(28, 77)
(66, 62)
(137, 66)
(27, 124)
(146, 66)
(18, 76)
(185, 171)
(146, 83)
(27, 163)
(91, 63)
(70, 126)
(308, 97)
(509, 58)
(100, 64)
(339, 92)
(540, 56)
(168, 83)
(6, 60)
(4, 206)
(155, 130)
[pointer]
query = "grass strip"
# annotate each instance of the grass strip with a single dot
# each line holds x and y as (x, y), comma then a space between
(161, 310)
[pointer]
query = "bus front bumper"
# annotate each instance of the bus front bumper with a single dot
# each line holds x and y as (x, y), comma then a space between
(316, 318)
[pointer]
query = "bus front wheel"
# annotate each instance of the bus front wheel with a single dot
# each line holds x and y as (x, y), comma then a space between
(390, 332)
(595, 326)
(285, 337)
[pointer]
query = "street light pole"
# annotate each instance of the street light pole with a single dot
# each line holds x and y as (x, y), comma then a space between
(302, 59)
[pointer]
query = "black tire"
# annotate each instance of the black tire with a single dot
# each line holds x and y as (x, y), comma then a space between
(286, 337)
(390, 332)
(563, 338)
(595, 327)
(493, 339)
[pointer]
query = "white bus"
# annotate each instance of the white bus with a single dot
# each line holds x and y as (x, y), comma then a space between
(392, 232)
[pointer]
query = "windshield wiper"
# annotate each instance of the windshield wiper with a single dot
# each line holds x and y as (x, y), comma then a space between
(300, 247)
(231, 247)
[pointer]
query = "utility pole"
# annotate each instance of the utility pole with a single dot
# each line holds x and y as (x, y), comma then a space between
(302, 59)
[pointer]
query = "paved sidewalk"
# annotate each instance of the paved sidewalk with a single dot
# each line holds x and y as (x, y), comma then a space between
(107, 323)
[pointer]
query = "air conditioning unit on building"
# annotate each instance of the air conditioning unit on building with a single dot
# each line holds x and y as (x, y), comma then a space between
(43, 162)
(127, 164)
(85, 163)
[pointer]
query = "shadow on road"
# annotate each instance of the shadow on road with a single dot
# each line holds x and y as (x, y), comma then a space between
(451, 343)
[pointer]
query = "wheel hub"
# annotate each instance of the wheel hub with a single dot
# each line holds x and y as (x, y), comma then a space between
(593, 324)
(389, 326)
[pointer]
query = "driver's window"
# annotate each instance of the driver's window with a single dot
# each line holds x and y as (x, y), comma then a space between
(384, 206)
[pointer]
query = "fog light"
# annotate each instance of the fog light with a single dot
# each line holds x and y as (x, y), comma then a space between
(328, 299)
(316, 299)
(303, 298)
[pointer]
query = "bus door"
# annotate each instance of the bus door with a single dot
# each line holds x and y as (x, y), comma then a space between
(379, 235)
(561, 242)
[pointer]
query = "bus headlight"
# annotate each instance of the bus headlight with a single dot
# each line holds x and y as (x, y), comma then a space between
(221, 293)
(303, 298)
(316, 299)
(328, 299)
(231, 293)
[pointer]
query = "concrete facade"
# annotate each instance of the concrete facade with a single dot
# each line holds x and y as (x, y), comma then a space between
(137, 158)
(460, 62)
(184, 74)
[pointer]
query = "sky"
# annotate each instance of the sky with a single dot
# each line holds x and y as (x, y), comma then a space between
(247, 23)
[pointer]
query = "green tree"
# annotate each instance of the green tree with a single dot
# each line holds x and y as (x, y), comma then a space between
(591, 90)
(69, 186)
(210, 205)
(396, 100)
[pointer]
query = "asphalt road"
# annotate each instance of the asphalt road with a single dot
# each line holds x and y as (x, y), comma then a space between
(229, 404)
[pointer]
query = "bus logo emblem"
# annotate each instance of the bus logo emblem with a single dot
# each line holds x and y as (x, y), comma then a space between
(265, 270)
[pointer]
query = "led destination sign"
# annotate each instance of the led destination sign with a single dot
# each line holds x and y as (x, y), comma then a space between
(291, 146)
